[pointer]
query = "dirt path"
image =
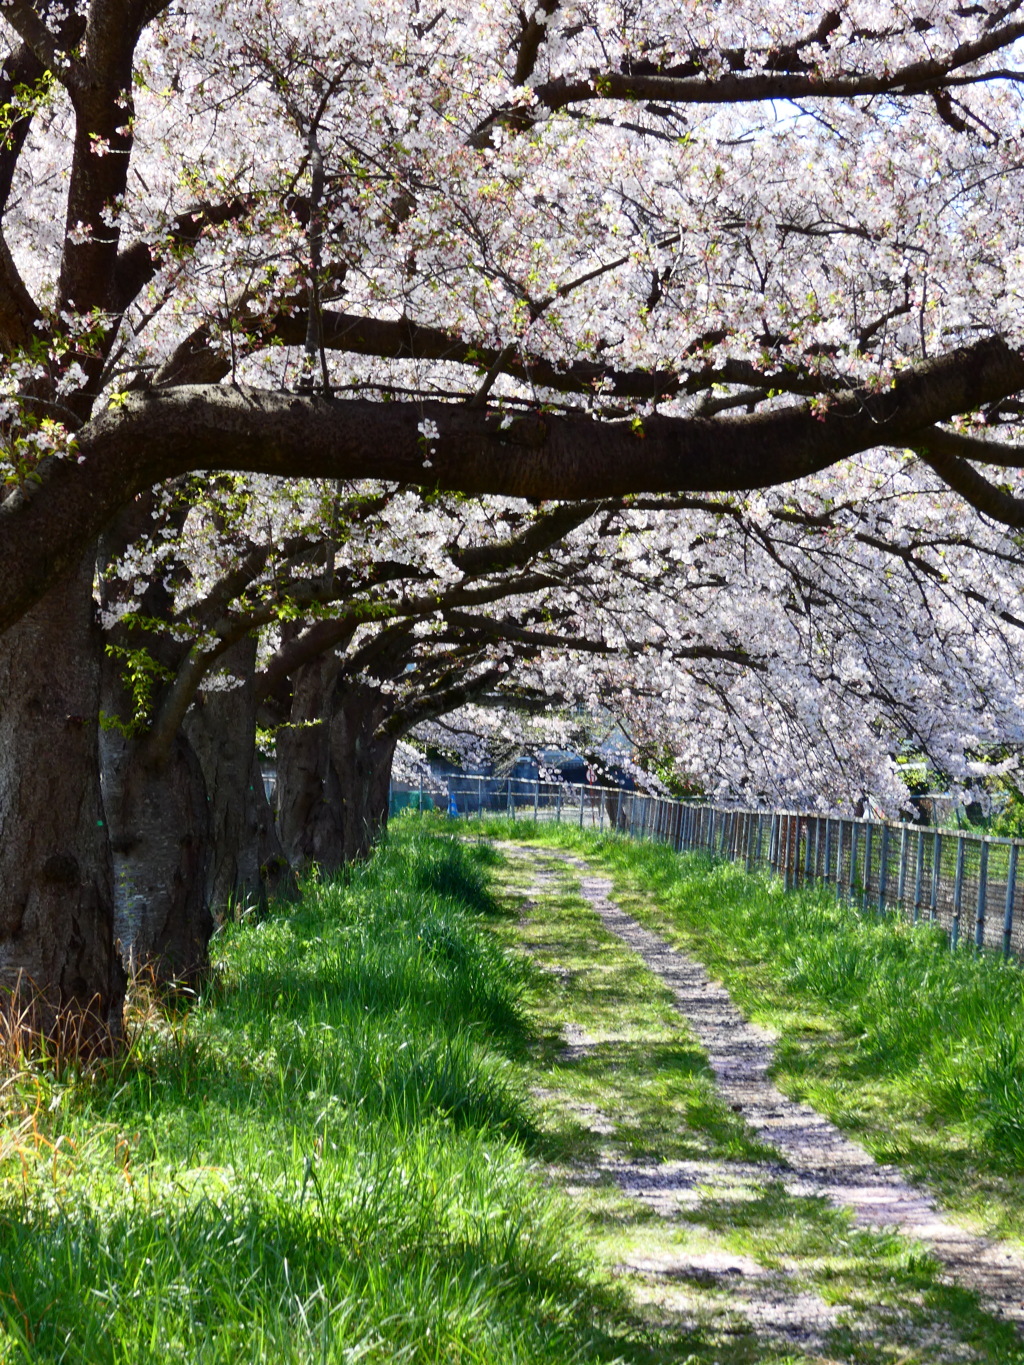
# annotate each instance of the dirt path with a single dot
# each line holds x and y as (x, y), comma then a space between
(819, 1159)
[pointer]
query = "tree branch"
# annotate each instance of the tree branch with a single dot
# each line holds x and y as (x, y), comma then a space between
(975, 489)
(45, 526)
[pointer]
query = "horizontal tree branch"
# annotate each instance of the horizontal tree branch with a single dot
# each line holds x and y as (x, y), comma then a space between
(48, 523)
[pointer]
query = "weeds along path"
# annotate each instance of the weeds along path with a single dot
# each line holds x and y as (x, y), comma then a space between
(818, 1161)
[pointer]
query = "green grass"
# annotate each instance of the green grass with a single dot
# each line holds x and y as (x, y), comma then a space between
(915, 1050)
(634, 1086)
(326, 1158)
(351, 1147)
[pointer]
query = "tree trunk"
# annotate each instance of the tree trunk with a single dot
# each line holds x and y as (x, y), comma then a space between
(361, 758)
(249, 865)
(160, 835)
(333, 769)
(308, 801)
(57, 959)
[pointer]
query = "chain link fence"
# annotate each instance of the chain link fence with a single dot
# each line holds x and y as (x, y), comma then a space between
(965, 882)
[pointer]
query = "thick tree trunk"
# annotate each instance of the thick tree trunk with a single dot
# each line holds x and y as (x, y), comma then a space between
(361, 758)
(308, 801)
(333, 770)
(249, 864)
(160, 836)
(57, 955)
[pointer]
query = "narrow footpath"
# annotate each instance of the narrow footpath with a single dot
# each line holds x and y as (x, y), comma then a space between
(817, 1160)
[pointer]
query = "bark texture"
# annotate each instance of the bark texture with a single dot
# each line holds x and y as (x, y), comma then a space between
(249, 866)
(56, 875)
(160, 835)
(333, 769)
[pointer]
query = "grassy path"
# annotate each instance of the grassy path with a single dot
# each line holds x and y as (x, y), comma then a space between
(387, 1133)
(728, 1259)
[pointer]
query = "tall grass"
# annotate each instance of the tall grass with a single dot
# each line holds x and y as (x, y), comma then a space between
(320, 1160)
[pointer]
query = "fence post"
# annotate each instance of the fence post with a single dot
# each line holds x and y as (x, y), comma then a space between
(759, 848)
(781, 835)
(817, 848)
(793, 851)
(711, 831)
(933, 908)
(839, 860)
(796, 826)
(883, 871)
(827, 859)
(958, 891)
(869, 833)
(1011, 879)
(918, 876)
(558, 804)
(749, 827)
(853, 860)
(536, 801)
(811, 866)
(618, 811)
(785, 836)
(979, 918)
(901, 883)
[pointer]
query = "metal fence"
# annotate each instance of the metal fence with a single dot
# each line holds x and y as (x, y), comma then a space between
(965, 882)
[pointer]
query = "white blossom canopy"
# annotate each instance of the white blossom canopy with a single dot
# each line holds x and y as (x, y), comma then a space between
(577, 251)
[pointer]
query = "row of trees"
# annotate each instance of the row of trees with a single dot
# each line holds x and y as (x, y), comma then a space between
(773, 650)
(607, 271)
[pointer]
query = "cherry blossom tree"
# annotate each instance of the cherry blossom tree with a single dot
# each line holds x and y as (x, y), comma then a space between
(574, 252)
(334, 582)
(843, 625)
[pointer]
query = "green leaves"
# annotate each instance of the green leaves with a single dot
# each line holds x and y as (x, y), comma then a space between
(142, 673)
